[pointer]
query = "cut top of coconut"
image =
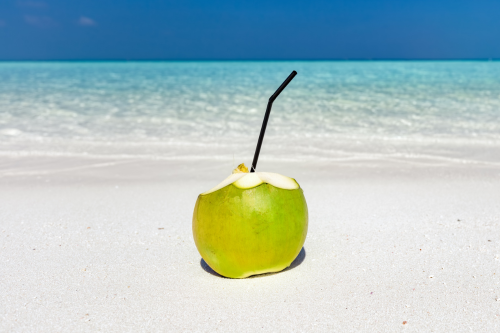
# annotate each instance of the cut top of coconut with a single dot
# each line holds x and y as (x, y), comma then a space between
(254, 179)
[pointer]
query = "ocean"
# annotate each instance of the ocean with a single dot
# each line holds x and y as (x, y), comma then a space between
(429, 112)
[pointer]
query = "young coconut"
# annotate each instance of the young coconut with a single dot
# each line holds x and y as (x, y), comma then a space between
(251, 223)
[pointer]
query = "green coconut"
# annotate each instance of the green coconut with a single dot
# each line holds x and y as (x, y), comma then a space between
(251, 223)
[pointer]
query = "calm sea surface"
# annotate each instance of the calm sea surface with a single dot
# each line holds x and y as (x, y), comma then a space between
(331, 110)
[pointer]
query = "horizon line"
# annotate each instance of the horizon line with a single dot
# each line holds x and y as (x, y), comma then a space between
(242, 59)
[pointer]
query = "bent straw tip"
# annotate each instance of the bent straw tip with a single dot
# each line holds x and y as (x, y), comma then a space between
(266, 117)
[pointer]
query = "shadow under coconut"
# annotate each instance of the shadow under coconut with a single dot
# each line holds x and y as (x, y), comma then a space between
(300, 258)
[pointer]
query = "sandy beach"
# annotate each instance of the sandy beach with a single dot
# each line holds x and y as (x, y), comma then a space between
(106, 244)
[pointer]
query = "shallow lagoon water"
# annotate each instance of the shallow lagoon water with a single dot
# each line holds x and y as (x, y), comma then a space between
(333, 110)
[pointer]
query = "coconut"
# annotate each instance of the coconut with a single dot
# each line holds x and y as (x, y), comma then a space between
(251, 223)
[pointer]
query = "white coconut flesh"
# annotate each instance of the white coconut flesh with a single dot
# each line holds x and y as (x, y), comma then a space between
(254, 179)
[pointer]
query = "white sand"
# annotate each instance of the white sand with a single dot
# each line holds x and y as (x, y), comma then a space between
(81, 249)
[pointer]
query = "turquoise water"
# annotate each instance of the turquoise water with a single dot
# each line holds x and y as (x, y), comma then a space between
(204, 108)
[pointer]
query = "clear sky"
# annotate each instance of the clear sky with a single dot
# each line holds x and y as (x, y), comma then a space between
(255, 29)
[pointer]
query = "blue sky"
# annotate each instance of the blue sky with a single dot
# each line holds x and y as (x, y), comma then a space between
(256, 29)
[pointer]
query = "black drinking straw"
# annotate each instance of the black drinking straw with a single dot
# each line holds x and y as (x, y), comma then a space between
(266, 118)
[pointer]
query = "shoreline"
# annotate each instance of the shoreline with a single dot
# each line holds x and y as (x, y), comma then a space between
(108, 168)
